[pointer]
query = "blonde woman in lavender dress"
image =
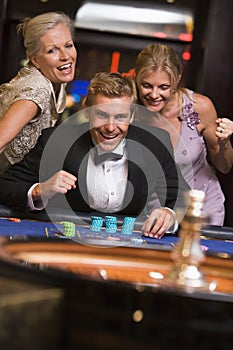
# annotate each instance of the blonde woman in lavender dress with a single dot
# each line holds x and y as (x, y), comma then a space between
(200, 139)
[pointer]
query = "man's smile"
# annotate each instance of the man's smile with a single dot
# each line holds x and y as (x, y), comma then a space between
(108, 137)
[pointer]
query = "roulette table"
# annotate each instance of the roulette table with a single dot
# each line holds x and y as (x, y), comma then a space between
(113, 291)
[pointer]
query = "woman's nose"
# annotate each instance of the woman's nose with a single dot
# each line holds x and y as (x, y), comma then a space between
(64, 55)
(154, 92)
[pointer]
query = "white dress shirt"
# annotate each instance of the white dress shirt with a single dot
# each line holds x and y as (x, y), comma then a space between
(107, 181)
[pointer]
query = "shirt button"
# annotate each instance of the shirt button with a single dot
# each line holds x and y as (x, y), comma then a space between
(112, 193)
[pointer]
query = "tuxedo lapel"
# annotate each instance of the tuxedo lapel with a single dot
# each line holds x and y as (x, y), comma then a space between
(136, 191)
(76, 163)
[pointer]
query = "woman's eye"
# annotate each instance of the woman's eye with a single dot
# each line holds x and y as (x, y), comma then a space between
(165, 87)
(51, 50)
(146, 86)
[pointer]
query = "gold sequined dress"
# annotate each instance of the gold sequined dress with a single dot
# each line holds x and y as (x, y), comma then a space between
(29, 84)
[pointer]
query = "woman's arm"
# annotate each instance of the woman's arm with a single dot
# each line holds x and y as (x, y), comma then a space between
(12, 122)
(219, 152)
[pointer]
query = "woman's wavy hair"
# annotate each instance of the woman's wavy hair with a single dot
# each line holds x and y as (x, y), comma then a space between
(32, 29)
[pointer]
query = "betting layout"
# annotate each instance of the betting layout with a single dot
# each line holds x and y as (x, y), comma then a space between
(100, 230)
(105, 228)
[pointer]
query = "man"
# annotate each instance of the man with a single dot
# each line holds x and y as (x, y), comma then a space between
(138, 177)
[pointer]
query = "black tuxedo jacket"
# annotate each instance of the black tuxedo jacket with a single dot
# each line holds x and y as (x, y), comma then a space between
(151, 169)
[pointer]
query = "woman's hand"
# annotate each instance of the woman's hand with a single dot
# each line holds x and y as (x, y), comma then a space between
(224, 129)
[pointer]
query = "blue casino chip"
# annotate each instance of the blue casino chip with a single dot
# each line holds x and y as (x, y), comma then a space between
(128, 225)
(96, 223)
(111, 224)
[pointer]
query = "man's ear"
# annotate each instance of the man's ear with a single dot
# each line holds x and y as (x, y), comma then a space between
(87, 113)
(84, 102)
(86, 109)
(132, 116)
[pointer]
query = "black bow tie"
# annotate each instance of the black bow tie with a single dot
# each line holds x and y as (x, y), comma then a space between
(99, 158)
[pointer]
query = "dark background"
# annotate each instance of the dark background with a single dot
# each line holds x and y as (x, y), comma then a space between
(209, 71)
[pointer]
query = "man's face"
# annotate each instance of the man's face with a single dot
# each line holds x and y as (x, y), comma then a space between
(109, 120)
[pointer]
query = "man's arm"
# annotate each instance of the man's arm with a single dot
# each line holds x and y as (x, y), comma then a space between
(61, 182)
(17, 180)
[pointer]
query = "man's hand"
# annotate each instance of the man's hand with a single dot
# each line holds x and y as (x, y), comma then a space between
(61, 182)
(158, 223)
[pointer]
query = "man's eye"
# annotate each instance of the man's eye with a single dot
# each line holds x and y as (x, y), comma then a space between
(100, 114)
(121, 117)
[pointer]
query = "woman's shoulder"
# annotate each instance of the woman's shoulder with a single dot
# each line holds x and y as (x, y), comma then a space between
(30, 76)
(196, 103)
(203, 103)
(30, 84)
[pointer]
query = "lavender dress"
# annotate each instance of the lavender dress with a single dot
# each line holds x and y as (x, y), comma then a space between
(190, 155)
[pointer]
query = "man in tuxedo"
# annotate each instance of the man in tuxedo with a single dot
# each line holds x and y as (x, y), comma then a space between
(110, 164)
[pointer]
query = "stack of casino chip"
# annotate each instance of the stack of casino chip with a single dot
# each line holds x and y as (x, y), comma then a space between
(128, 225)
(68, 229)
(111, 224)
(96, 223)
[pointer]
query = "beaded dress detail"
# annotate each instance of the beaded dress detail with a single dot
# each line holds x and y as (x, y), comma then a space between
(29, 84)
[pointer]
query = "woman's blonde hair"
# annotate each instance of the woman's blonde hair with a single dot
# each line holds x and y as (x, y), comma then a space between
(32, 29)
(158, 56)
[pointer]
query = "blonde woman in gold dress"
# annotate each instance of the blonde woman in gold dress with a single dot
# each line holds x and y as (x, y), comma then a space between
(34, 98)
